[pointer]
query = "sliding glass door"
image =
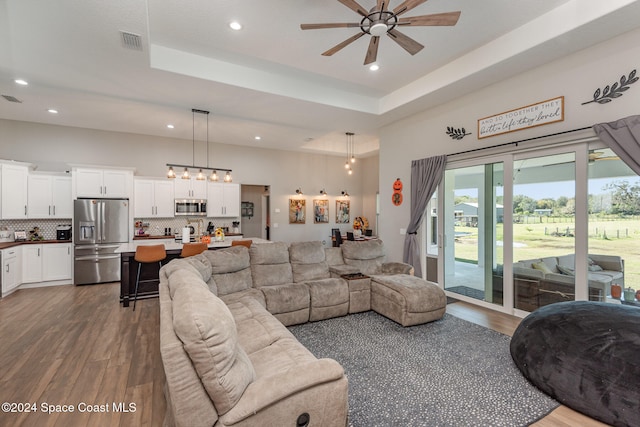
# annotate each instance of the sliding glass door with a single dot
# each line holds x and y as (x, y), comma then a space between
(544, 227)
(473, 223)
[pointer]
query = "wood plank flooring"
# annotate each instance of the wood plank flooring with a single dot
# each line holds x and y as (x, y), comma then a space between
(68, 345)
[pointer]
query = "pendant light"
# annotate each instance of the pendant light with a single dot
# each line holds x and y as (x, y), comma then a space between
(201, 176)
(350, 154)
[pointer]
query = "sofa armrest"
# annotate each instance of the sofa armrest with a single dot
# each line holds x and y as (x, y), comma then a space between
(397, 268)
(340, 269)
(270, 389)
(608, 262)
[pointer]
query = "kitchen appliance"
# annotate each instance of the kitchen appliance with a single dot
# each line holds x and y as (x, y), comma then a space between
(191, 207)
(63, 232)
(101, 225)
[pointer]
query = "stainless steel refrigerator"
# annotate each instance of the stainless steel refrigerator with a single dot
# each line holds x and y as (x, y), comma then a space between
(100, 226)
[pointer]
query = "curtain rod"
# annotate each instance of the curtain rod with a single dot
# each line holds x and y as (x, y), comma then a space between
(522, 140)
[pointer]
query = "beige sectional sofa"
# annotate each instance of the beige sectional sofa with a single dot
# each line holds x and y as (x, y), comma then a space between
(227, 354)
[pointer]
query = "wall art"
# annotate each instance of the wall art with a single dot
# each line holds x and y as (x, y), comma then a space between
(538, 114)
(610, 92)
(320, 211)
(297, 211)
(396, 197)
(342, 212)
(456, 133)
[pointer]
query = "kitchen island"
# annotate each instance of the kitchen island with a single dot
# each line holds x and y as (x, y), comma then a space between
(148, 287)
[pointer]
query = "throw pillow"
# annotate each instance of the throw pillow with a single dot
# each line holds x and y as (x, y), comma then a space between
(566, 270)
(595, 267)
(542, 267)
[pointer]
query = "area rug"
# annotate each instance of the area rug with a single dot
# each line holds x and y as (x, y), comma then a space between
(446, 373)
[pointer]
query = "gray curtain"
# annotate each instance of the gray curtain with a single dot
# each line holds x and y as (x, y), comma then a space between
(623, 137)
(426, 175)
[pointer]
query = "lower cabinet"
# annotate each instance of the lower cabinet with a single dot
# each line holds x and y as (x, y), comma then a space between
(46, 262)
(11, 269)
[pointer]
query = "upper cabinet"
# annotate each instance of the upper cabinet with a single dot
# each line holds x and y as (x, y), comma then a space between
(49, 196)
(190, 188)
(223, 200)
(13, 191)
(153, 198)
(103, 182)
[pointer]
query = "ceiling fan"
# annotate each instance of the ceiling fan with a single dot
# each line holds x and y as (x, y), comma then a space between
(381, 20)
(599, 155)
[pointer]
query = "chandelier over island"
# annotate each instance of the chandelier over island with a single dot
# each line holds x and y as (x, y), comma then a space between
(201, 175)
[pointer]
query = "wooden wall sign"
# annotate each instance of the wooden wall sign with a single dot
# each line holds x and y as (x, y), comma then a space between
(541, 113)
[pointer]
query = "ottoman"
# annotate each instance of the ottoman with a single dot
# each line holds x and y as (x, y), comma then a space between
(407, 300)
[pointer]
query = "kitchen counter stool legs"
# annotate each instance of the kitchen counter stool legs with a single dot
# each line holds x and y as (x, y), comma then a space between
(147, 254)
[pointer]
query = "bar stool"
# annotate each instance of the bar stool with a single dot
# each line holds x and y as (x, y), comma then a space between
(191, 249)
(147, 254)
(246, 243)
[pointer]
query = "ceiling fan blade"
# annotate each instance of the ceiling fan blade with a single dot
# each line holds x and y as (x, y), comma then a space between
(372, 51)
(406, 42)
(437, 19)
(353, 5)
(331, 25)
(343, 44)
(407, 5)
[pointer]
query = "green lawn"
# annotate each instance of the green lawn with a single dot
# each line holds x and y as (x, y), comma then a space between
(620, 237)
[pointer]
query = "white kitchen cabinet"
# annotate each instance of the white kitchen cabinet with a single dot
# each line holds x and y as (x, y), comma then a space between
(31, 263)
(13, 191)
(153, 198)
(56, 261)
(11, 269)
(102, 182)
(49, 196)
(46, 262)
(223, 200)
(190, 188)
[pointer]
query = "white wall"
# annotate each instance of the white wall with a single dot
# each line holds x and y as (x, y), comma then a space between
(576, 77)
(52, 148)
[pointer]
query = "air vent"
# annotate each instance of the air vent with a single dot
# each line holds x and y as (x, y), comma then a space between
(131, 41)
(11, 99)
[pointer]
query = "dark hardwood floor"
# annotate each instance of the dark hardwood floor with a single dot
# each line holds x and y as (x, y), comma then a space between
(75, 345)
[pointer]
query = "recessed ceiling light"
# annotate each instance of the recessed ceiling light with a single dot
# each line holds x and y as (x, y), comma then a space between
(374, 67)
(52, 111)
(257, 137)
(235, 25)
(21, 82)
(170, 126)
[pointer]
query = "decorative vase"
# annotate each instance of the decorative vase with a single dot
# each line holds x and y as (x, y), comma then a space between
(629, 294)
(616, 291)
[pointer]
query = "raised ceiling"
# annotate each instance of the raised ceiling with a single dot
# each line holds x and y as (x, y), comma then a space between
(269, 79)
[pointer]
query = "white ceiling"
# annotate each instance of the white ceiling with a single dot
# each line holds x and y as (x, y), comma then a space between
(269, 79)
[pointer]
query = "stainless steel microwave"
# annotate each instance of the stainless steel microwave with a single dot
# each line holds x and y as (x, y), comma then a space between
(192, 207)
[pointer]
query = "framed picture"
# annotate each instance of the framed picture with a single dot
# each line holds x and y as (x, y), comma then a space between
(320, 211)
(297, 211)
(342, 212)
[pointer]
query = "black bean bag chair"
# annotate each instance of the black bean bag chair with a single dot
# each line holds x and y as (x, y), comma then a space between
(586, 355)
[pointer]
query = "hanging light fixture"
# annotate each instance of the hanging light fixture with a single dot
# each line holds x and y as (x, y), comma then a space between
(201, 176)
(350, 155)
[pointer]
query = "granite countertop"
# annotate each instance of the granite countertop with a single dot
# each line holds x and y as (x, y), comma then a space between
(6, 245)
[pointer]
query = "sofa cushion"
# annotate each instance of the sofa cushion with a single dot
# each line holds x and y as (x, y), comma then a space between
(542, 267)
(270, 265)
(308, 261)
(371, 249)
(230, 270)
(206, 327)
(183, 276)
(201, 263)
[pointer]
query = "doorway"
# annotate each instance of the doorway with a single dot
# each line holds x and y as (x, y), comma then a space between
(255, 211)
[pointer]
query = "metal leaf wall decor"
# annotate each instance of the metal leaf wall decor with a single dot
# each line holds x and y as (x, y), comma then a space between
(610, 92)
(456, 133)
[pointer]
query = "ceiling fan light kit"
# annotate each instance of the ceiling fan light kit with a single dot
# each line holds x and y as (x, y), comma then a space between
(381, 20)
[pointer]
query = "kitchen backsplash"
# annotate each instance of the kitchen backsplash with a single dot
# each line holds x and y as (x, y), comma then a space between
(47, 226)
(157, 225)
